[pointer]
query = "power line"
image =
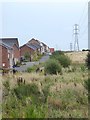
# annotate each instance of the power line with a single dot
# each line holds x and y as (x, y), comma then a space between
(84, 32)
(80, 20)
(84, 20)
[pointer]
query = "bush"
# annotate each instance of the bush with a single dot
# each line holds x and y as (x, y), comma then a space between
(52, 67)
(30, 69)
(83, 68)
(87, 84)
(33, 68)
(6, 85)
(27, 56)
(88, 60)
(64, 60)
(35, 111)
(26, 90)
(18, 64)
(56, 54)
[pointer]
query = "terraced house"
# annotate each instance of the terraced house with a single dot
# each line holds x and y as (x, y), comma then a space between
(29, 49)
(43, 48)
(9, 52)
(34, 48)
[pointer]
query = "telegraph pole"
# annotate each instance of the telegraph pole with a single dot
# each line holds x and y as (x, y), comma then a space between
(76, 44)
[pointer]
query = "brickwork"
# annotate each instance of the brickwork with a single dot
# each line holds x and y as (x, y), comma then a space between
(5, 60)
(0, 56)
(25, 49)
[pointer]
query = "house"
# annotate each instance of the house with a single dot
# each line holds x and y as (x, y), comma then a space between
(34, 48)
(45, 48)
(6, 56)
(10, 44)
(28, 48)
(42, 47)
(51, 50)
(35, 43)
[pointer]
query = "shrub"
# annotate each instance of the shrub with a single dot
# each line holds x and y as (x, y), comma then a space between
(64, 60)
(87, 84)
(56, 54)
(52, 67)
(27, 56)
(6, 85)
(83, 68)
(35, 111)
(88, 60)
(18, 63)
(33, 68)
(26, 90)
(30, 69)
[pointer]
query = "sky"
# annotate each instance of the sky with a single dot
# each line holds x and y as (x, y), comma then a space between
(50, 21)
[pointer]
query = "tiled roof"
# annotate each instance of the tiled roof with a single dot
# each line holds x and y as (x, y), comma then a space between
(10, 41)
(5, 45)
(31, 46)
(36, 45)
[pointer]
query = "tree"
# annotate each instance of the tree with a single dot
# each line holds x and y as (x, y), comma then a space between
(27, 56)
(52, 66)
(88, 60)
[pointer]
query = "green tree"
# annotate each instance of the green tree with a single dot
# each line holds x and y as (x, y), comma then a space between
(52, 66)
(64, 60)
(88, 60)
(27, 56)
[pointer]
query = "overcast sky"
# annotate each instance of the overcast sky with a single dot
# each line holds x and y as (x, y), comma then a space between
(50, 21)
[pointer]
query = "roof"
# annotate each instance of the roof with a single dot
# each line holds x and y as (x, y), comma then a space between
(30, 46)
(44, 44)
(10, 41)
(36, 45)
(5, 45)
(37, 41)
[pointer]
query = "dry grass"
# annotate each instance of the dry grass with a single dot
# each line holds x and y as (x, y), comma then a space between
(69, 84)
(78, 56)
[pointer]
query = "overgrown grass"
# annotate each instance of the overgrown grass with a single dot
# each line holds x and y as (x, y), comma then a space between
(50, 96)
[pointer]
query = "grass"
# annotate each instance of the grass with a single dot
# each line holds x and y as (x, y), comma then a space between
(52, 96)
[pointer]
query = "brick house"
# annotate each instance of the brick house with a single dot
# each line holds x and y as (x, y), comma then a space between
(35, 43)
(10, 45)
(6, 56)
(30, 49)
(42, 47)
(52, 50)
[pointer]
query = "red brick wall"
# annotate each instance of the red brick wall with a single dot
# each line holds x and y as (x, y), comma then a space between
(16, 52)
(51, 50)
(5, 57)
(25, 49)
(0, 56)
